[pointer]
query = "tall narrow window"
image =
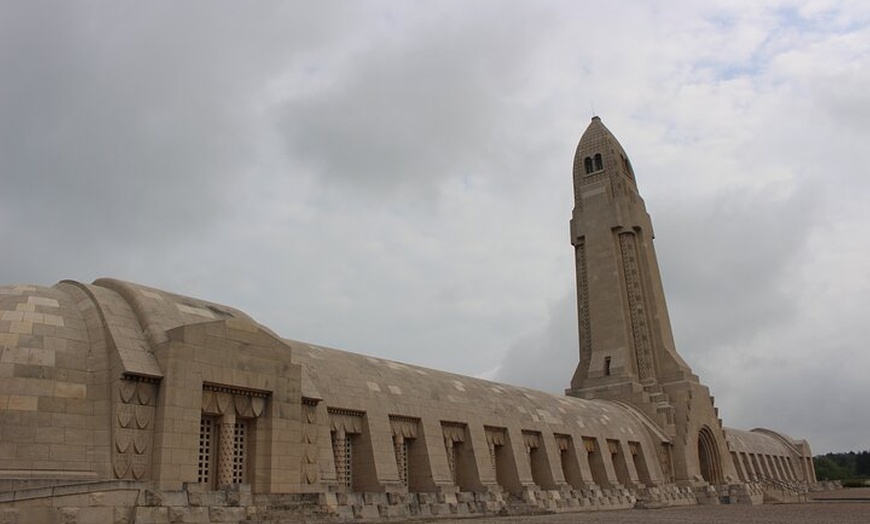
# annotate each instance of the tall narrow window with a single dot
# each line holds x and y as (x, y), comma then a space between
(400, 446)
(206, 440)
(587, 163)
(606, 366)
(599, 165)
(342, 449)
(240, 434)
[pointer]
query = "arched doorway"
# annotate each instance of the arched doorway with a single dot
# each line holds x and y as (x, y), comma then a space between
(708, 457)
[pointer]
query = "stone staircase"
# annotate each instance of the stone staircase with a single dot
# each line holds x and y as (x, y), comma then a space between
(783, 491)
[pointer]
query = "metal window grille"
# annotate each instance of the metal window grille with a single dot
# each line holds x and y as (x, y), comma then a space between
(206, 434)
(240, 434)
(348, 461)
(342, 451)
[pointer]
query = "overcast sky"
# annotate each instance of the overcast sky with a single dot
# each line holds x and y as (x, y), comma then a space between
(394, 178)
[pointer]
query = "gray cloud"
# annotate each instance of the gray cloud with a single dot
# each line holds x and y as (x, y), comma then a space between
(415, 106)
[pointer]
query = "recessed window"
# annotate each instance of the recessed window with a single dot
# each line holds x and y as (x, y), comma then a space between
(607, 366)
(587, 163)
(599, 165)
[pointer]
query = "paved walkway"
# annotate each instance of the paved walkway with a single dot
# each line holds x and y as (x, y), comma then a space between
(857, 512)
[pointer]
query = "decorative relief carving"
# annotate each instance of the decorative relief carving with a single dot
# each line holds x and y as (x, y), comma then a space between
(345, 420)
(495, 437)
(139, 466)
(226, 412)
(310, 472)
(127, 390)
(132, 432)
(405, 427)
(124, 415)
(583, 306)
(121, 465)
(404, 430)
(531, 440)
(563, 442)
(123, 438)
(343, 425)
(245, 404)
(144, 415)
(578, 194)
(613, 446)
(454, 433)
(636, 306)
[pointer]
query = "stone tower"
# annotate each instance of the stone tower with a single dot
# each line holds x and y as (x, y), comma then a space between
(627, 350)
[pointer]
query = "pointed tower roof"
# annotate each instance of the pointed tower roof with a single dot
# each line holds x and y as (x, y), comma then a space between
(599, 150)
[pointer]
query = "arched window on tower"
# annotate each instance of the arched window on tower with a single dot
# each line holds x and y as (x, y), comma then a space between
(599, 165)
(587, 163)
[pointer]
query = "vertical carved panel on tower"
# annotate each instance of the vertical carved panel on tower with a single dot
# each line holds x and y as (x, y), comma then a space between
(132, 428)
(636, 306)
(583, 305)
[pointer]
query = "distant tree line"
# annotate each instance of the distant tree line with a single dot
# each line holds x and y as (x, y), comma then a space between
(842, 466)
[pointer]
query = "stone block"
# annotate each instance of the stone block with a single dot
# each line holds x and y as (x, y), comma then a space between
(184, 515)
(22, 403)
(226, 514)
(194, 494)
(367, 511)
(37, 515)
(151, 515)
(123, 515)
(95, 515)
(390, 511)
(67, 515)
(491, 506)
(465, 496)
(9, 516)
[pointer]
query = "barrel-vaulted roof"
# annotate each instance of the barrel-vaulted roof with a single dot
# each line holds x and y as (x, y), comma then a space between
(357, 382)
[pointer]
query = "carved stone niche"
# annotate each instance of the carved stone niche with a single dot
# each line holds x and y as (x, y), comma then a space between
(227, 412)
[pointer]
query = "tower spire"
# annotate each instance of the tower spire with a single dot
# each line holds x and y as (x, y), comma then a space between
(627, 350)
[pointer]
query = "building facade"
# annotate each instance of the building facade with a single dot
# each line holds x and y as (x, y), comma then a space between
(120, 401)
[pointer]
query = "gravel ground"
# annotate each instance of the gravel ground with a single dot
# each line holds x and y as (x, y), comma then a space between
(857, 512)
